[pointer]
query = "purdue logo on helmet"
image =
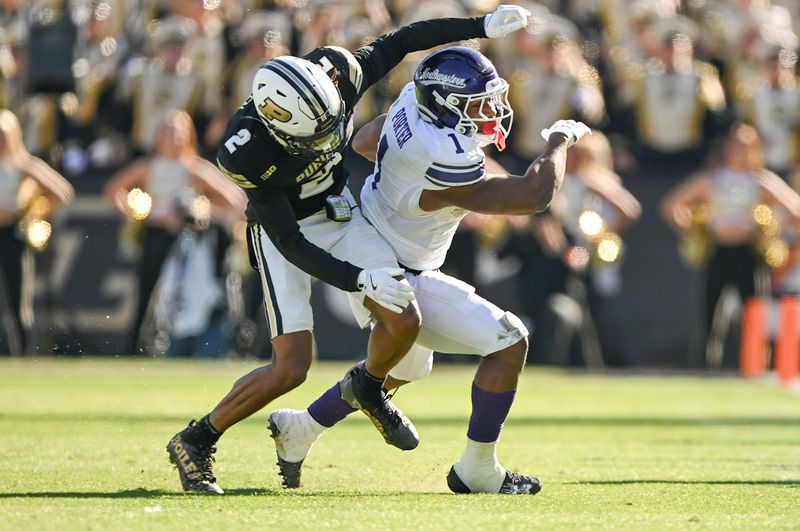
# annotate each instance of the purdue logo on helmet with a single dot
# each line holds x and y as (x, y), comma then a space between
(272, 110)
(300, 106)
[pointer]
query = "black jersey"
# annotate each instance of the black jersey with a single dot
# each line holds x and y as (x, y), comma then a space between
(282, 188)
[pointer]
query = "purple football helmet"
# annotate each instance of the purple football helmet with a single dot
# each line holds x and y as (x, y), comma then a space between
(459, 88)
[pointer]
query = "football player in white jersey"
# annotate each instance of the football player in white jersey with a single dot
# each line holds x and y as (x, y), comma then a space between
(429, 172)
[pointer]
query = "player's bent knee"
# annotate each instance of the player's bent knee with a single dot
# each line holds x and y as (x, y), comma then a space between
(291, 370)
(519, 351)
(405, 324)
(291, 375)
(512, 357)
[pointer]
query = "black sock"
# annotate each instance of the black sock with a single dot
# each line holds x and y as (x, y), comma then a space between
(203, 433)
(371, 384)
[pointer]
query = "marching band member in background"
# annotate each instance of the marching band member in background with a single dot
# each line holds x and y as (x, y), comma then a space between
(551, 80)
(771, 102)
(168, 80)
(263, 35)
(30, 191)
(172, 172)
(578, 240)
(742, 198)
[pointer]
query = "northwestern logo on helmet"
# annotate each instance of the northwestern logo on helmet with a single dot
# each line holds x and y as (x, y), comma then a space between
(447, 79)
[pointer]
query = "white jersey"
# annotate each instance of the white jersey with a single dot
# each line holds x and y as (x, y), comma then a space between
(415, 155)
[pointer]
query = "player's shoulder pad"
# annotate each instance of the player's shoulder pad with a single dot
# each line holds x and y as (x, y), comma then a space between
(454, 160)
(343, 60)
(241, 153)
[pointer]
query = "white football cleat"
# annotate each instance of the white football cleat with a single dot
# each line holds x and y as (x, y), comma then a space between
(294, 433)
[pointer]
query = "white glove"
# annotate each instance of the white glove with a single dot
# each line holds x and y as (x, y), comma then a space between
(505, 20)
(572, 129)
(381, 286)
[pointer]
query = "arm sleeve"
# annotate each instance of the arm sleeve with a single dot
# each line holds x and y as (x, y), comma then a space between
(388, 50)
(275, 214)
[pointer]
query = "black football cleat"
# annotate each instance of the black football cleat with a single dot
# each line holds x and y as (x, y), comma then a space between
(392, 423)
(194, 463)
(512, 484)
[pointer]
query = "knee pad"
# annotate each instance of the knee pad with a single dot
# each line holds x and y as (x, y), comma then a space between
(514, 327)
(415, 365)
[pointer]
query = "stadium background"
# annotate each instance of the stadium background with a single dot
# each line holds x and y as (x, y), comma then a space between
(86, 286)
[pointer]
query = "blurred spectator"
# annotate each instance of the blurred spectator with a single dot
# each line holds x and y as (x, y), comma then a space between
(674, 95)
(575, 254)
(786, 279)
(771, 102)
(551, 80)
(726, 25)
(171, 173)
(13, 38)
(736, 200)
(193, 321)
(99, 53)
(627, 29)
(206, 49)
(30, 191)
(319, 24)
(262, 36)
(167, 81)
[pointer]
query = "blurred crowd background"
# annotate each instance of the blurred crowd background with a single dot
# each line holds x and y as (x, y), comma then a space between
(119, 237)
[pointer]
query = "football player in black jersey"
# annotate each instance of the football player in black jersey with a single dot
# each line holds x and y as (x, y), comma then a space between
(284, 147)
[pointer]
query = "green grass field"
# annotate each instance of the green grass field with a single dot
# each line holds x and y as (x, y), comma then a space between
(82, 447)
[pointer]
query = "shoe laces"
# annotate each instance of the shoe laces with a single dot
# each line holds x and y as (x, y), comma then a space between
(388, 395)
(515, 483)
(516, 478)
(207, 462)
(388, 410)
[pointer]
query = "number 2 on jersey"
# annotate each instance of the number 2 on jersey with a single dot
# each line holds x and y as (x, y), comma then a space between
(239, 139)
(382, 147)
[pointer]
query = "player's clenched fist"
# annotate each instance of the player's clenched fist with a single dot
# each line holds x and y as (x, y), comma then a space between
(381, 286)
(573, 130)
(505, 20)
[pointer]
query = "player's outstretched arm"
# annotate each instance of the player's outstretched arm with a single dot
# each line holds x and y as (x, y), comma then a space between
(386, 52)
(515, 195)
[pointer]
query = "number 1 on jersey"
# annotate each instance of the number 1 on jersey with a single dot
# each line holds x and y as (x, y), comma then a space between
(459, 149)
(383, 146)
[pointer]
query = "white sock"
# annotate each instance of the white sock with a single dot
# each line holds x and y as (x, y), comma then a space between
(298, 433)
(315, 426)
(478, 467)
